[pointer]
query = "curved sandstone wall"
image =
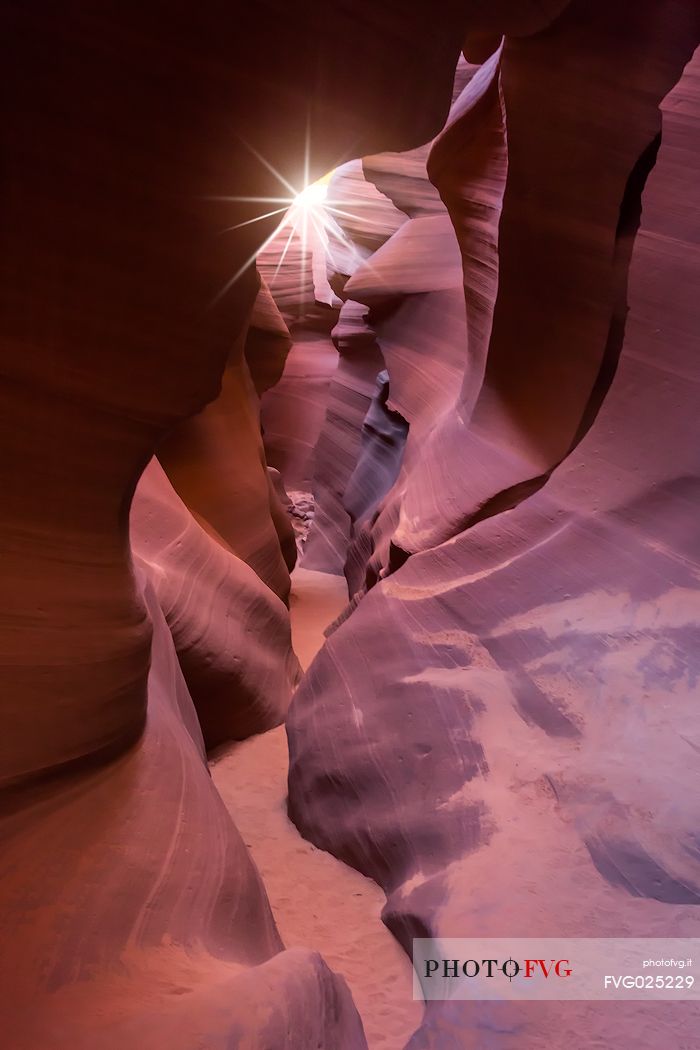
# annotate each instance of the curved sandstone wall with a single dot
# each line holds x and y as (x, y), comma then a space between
(501, 730)
(130, 908)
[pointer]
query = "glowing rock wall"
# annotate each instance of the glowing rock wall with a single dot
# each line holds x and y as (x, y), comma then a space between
(502, 732)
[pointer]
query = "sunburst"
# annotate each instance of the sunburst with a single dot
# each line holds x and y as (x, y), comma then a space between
(307, 213)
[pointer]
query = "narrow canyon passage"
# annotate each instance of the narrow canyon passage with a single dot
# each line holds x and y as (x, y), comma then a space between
(318, 902)
(349, 559)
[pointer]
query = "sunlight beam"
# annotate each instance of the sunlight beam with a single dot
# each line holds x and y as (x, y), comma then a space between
(270, 168)
(282, 257)
(258, 218)
(308, 215)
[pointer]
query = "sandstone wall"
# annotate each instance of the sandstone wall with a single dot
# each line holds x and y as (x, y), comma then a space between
(502, 732)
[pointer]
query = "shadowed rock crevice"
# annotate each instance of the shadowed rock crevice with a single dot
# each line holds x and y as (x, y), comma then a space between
(627, 228)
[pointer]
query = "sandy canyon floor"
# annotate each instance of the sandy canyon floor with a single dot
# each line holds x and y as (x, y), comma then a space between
(318, 901)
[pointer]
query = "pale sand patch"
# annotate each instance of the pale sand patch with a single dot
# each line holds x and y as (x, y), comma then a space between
(318, 901)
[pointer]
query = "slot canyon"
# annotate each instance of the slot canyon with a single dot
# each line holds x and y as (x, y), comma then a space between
(349, 507)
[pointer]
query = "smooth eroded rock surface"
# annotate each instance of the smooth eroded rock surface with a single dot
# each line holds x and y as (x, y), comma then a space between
(503, 732)
(130, 907)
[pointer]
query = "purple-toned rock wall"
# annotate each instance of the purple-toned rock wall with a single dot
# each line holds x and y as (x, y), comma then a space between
(502, 731)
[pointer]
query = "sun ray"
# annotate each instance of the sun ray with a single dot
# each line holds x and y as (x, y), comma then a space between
(282, 257)
(271, 168)
(307, 149)
(258, 218)
(253, 200)
(242, 269)
(308, 215)
(321, 230)
(350, 215)
(366, 203)
(326, 241)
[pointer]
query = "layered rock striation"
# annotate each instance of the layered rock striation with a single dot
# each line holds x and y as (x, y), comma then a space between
(130, 908)
(502, 731)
